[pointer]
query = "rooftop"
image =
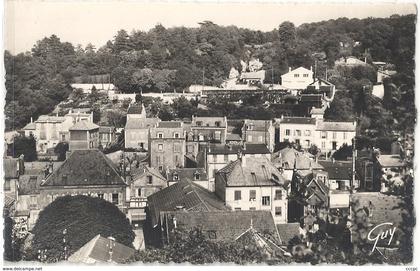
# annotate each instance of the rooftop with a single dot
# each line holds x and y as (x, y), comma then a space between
(29, 126)
(257, 125)
(247, 148)
(338, 170)
(53, 119)
(11, 168)
(287, 232)
(185, 194)
(187, 174)
(106, 129)
(97, 251)
(209, 122)
(85, 168)
(233, 137)
(135, 109)
(336, 126)
(169, 124)
(389, 161)
(141, 123)
(252, 171)
(84, 126)
(289, 158)
(297, 120)
(30, 184)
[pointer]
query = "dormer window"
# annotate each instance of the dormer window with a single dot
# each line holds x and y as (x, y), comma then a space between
(199, 123)
(250, 127)
(175, 177)
(149, 179)
(160, 135)
(217, 123)
(197, 176)
(176, 135)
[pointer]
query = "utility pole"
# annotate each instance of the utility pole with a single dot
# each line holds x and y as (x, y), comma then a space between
(65, 244)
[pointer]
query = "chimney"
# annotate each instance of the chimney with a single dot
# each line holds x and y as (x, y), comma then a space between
(244, 146)
(32, 120)
(311, 67)
(174, 221)
(290, 69)
(110, 247)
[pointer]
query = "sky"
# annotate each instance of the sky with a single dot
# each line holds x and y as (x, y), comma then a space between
(96, 22)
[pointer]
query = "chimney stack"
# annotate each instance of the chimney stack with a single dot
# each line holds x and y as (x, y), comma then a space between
(290, 69)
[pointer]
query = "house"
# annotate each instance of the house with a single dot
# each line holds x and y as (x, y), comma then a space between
(234, 139)
(299, 78)
(144, 182)
(350, 61)
(311, 100)
(13, 168)
(136, 132)
(83, 136)
(196, 175)
(310, 196)
(227, 226)
(253, 184)
(368, 171)
(331, 135)
(289, 159)
(136, 111)
(378, 91)
(95, 176)
(253, 77)
(209, 129)
(259, 131)
(167, 145)
(102, 250)
(370, 209)
(322, 86)
(219, 155)
(300, 130)
(393, 171)
(107, 135)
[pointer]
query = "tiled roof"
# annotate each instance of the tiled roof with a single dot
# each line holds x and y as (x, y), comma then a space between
(144, 170)
(336, 126)
(228, 225)
(288, 158)
(208, 122)
(252, 171)
(187, 174)
(310, 98)
(248, 148)
(46, 118)
(287, 232)
(297, 120)
(257, 125)
(38, 167)
(84, 126)
(97, 251)
(315, 191)
(191, 196)
(141, 123)
(338, 170)
(135, 109)
(169, 124)
(233, 137)
(10, 167)
(106, 129)
(85, 168)
(388, 161)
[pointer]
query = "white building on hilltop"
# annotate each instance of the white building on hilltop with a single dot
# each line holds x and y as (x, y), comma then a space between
(299, 78)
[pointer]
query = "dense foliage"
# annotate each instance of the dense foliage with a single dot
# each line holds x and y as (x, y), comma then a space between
(83, 218)
(168, 59)
(25, 146)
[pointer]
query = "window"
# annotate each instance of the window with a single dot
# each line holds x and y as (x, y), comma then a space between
(323, 134)
(287, 132)
(160, 168)
(197, 176)
(177, 148)
(160, 147)
(298, 133)
(250, 127)
(237, 209)
(277, 211)
(296, 75)
(214, 158)
(260, 139)
(63, 137)
(334, 135)
(139, 192)
(297, 141)
(217, 123)
(306, 75)
(252, 195)
(199, 123)
(101, 196)
(344, 135)
(226, 158)
(175, 177)
(33, 202)
(252, 208)
(266, 200)
(160, 135)
(323, 144)
(212, 234)
(249, 138)
(176, 135)
(278, 195)
(308, 143)
(217, 135)
(115, 198)
(149, 179)
(307, 132)
(237, 195)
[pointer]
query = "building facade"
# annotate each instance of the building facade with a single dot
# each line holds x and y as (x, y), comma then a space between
(209, 129)
(84, 136)
(298, 78)
(259, 132)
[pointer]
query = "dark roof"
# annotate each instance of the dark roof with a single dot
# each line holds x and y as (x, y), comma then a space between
(287, 232)
(191, 196)
(10, 167)
(229, 225)
(135, 109)
(297, 120)
(388, 161)
(247, 148)
(289, 158)
(139, 173)
(85, 167)
(39, 167)
(30, 184)
(233, 137)
(84, 126)
(97, 250)
(29, 126)
(336, 126)
(252, 171)
(313, 190)
(338, 170)
(187, 174)
(310, 98)
(106, 129)
(257, 125)
(169, 124)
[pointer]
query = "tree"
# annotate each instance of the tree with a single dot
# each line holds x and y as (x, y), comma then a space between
(25, 146)
(83, 218)
(343, 152)
(61, 150)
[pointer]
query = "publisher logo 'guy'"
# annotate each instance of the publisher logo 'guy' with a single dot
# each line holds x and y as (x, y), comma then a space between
(386, 231)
